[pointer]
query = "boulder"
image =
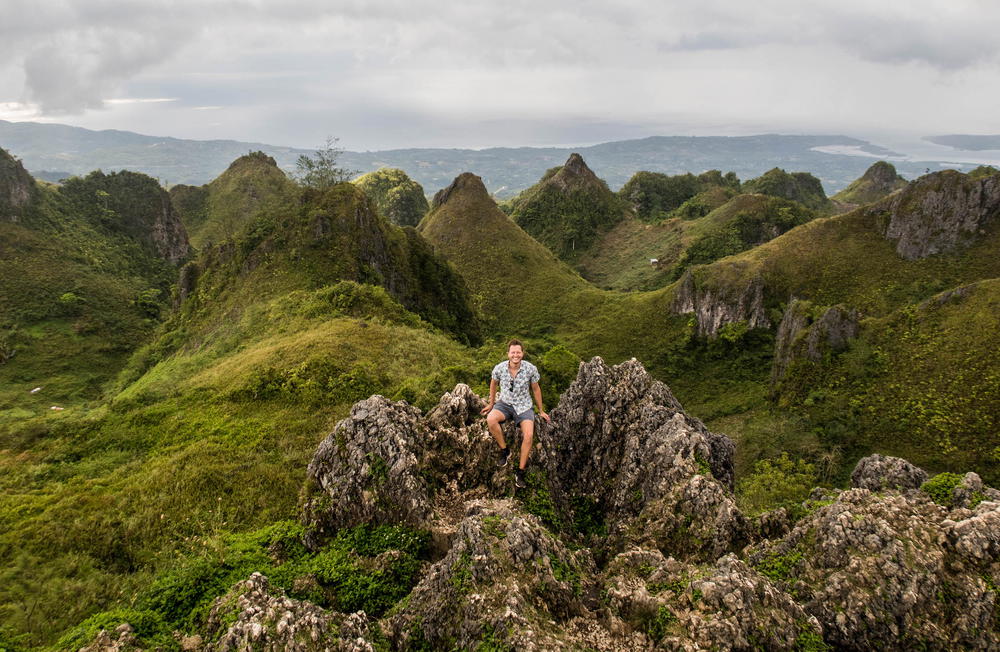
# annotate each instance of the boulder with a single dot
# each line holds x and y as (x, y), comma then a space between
(879, 472)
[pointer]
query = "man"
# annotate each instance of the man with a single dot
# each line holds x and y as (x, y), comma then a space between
(514, 377)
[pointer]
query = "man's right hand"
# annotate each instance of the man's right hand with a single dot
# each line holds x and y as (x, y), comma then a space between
(486, 410)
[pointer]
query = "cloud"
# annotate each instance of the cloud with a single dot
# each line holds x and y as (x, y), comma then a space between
(355, 66)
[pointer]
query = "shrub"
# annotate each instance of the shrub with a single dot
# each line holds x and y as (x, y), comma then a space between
(775, 483)
(941, 486)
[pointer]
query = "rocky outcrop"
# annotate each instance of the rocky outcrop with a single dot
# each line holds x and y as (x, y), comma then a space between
(465, 183)
(796, 186)
(939, 213)
(891, 571)
(667, 566)
(17, 188)
(621, 441)
(255, 616)
(721, 304)
(801, 337)
(371, 468)
(878, 473)
(506, 579)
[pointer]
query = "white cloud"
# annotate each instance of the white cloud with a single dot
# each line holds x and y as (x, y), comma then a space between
(398, 73)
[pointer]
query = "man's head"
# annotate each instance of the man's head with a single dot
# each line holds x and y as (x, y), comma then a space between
(515, 351)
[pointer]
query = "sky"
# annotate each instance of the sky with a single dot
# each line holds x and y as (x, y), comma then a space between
(391, 74)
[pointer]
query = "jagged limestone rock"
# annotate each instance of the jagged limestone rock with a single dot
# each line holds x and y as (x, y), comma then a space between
(621, 440)
(376, 465)
(884, 571)
(255, 616)
(505, 579)
(728, 606)
(123, 639)
(878, 472)
(714, 307)
(939, 213)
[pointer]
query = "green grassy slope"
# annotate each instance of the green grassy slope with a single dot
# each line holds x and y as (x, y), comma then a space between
(621, 259)
(82, 286)
(877, 182)
(210, 425)
(221, 209)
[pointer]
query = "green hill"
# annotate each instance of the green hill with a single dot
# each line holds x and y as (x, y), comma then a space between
(221, 209)
(655, 196)
(399, 198)
(85, 275)
(639, 256)
(159, 490)
(568, 209)
(877, 182)
(796, 186)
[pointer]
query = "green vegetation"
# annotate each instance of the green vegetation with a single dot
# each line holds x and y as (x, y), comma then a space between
(877, 182)
(397, 197)
(776, 483)
(796, 186)
(659, 625)
(193, 407)
(655, 196)
(222, 210)
(322, 171)
(568, 209)
(780, 567)
(941, 487)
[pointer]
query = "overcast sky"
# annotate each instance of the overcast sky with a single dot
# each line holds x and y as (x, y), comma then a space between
(414, 73)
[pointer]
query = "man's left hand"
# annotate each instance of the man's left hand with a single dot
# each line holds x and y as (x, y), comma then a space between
(545, 415)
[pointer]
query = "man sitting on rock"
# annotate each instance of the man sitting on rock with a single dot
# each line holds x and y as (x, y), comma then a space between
(514, 376)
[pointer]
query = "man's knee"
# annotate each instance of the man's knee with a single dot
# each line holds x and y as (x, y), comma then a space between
(495, 417)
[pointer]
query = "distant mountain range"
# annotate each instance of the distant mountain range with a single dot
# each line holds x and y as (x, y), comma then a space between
(53, 152)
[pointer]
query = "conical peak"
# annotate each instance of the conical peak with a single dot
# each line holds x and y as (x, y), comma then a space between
(466, 185)
(254, 159)
(574, 174)
(881, 172)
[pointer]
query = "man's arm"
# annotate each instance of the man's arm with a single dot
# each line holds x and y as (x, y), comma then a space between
(536, 389)
(494, 385)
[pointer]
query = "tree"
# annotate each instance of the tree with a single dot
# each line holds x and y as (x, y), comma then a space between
(321, 171)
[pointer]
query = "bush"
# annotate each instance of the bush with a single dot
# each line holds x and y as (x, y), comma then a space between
(941, 487)
(775, 483)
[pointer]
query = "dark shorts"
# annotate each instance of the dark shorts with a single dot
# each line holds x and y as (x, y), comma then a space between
(507, 410)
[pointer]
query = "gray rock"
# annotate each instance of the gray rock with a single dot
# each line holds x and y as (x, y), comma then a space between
(622, 440)
(506, 579)
(879, 472)
(938, 213)
(17, 188)
(714, 307)
(264, 618)
(885, 571)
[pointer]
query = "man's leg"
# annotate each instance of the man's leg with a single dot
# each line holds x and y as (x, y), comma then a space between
(493, 421)
(528, 430)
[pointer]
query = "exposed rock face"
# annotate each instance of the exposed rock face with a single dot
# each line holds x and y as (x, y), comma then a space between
(369, 469)
(265, 619)
(873, 569)
(800, 337)
(505, 579)
(939, 213)
(714, 307)
(621, 440)
(168, 234)
(861, 570)
(878, 472)
(17, 188)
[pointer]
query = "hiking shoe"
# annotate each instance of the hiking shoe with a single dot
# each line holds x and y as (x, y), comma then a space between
(504, 457)
(519, 479)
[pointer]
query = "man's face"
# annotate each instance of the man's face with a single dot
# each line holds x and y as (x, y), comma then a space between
(515, 353)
